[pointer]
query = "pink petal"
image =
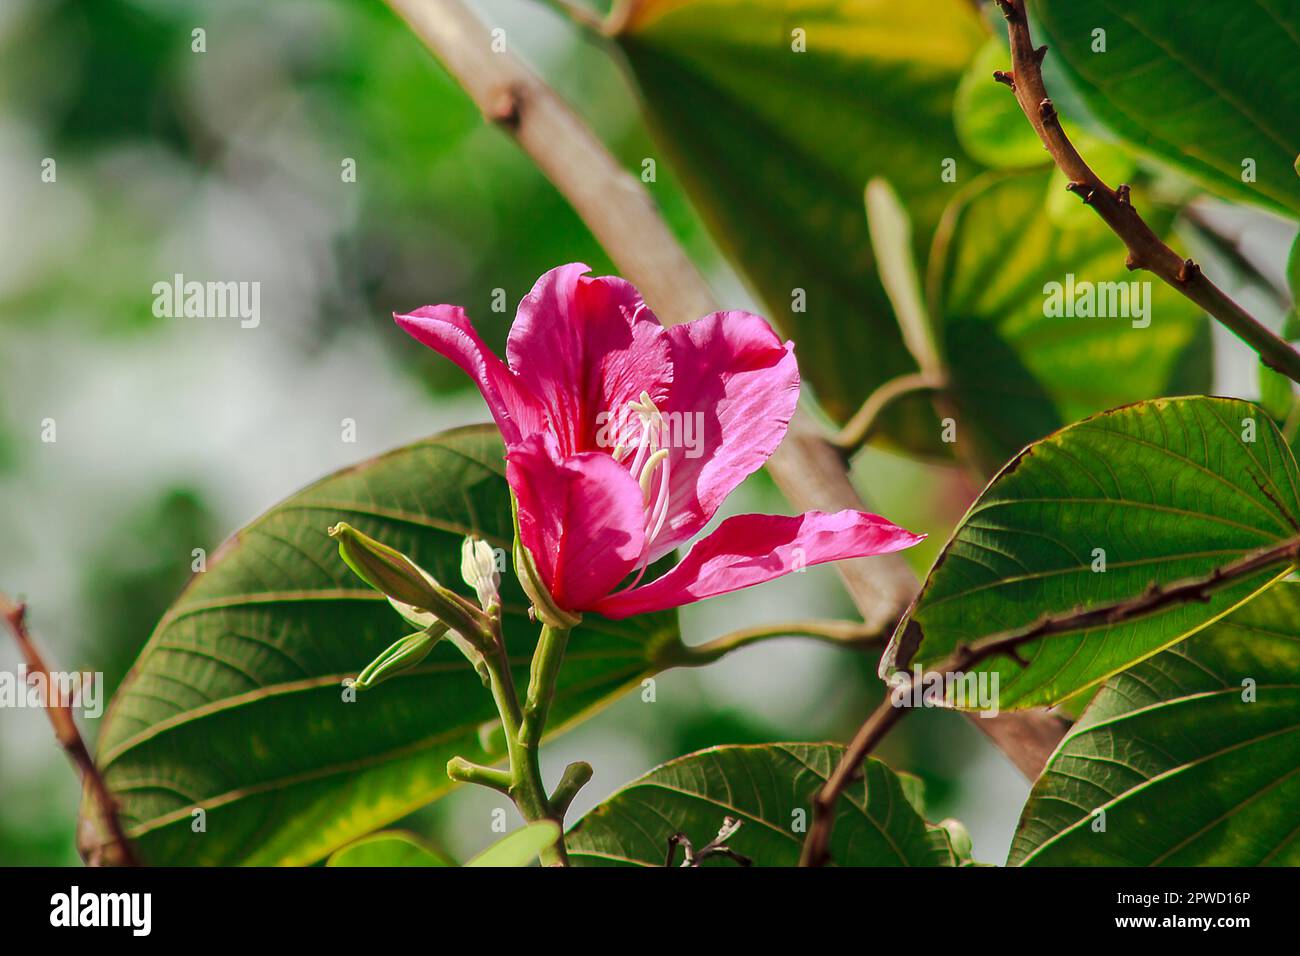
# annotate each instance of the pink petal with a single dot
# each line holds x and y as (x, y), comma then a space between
(585, 346)
(738, 383)
(447, 330)
(751, 549)
(582, 518)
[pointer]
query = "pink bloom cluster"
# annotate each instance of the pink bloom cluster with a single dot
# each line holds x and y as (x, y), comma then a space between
(594, 517)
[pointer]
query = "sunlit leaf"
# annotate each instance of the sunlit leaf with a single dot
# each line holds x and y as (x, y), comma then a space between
(1018, 299)
(776, 145)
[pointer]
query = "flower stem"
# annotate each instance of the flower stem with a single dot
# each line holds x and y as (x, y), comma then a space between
(522, 782)
(541, 682)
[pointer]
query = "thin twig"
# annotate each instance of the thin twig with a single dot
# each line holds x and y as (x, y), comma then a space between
(67, 734)
(1145, 249)
(816, 850)
(853, 634)
(859, 429)
(622, 216)
(715, 847)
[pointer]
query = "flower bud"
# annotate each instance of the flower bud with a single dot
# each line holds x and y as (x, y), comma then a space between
(548, 612)
(959, 837)
(400, 656)
(478, 566)
(405, 582)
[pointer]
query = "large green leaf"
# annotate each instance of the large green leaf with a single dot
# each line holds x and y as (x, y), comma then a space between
(1193, 756)
(236, 706)
(1020, 370)
(776, 146)
(1163, 490)
(769, 789)
(1204, 86)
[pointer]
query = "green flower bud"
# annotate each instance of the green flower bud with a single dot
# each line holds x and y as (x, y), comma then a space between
(478, 566)
(400, 656)
(959, 837)
(547, 611)
(406, 584)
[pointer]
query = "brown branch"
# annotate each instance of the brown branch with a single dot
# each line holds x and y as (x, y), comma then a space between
(1229, 245)
(1156, 598)
(622, 216)
(68, 736)
(1145, 249)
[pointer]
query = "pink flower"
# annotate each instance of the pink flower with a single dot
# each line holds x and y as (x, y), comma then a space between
(623, 437)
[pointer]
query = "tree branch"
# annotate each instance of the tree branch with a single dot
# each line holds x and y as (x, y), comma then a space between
(1229, 245)
(1145, 249)
(1154, 599)
(621, 215)
(69, 737)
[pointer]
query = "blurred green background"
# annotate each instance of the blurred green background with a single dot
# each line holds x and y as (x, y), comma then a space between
(171, 433)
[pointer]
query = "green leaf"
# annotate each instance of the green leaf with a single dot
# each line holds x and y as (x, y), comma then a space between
(1203, 86)
(1018, 372)
(776, 146)
(521, 847)
(1188, 767)
(236, 707)
(769, 788)
(389, 848)
(1161, 491)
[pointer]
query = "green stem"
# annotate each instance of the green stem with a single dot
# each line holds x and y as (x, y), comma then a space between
(523, 732)
(576, 776)
(541, 682)
(462, 771)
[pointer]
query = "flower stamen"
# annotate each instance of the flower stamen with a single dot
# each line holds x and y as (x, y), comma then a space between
(648, 470)
(652, 459)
